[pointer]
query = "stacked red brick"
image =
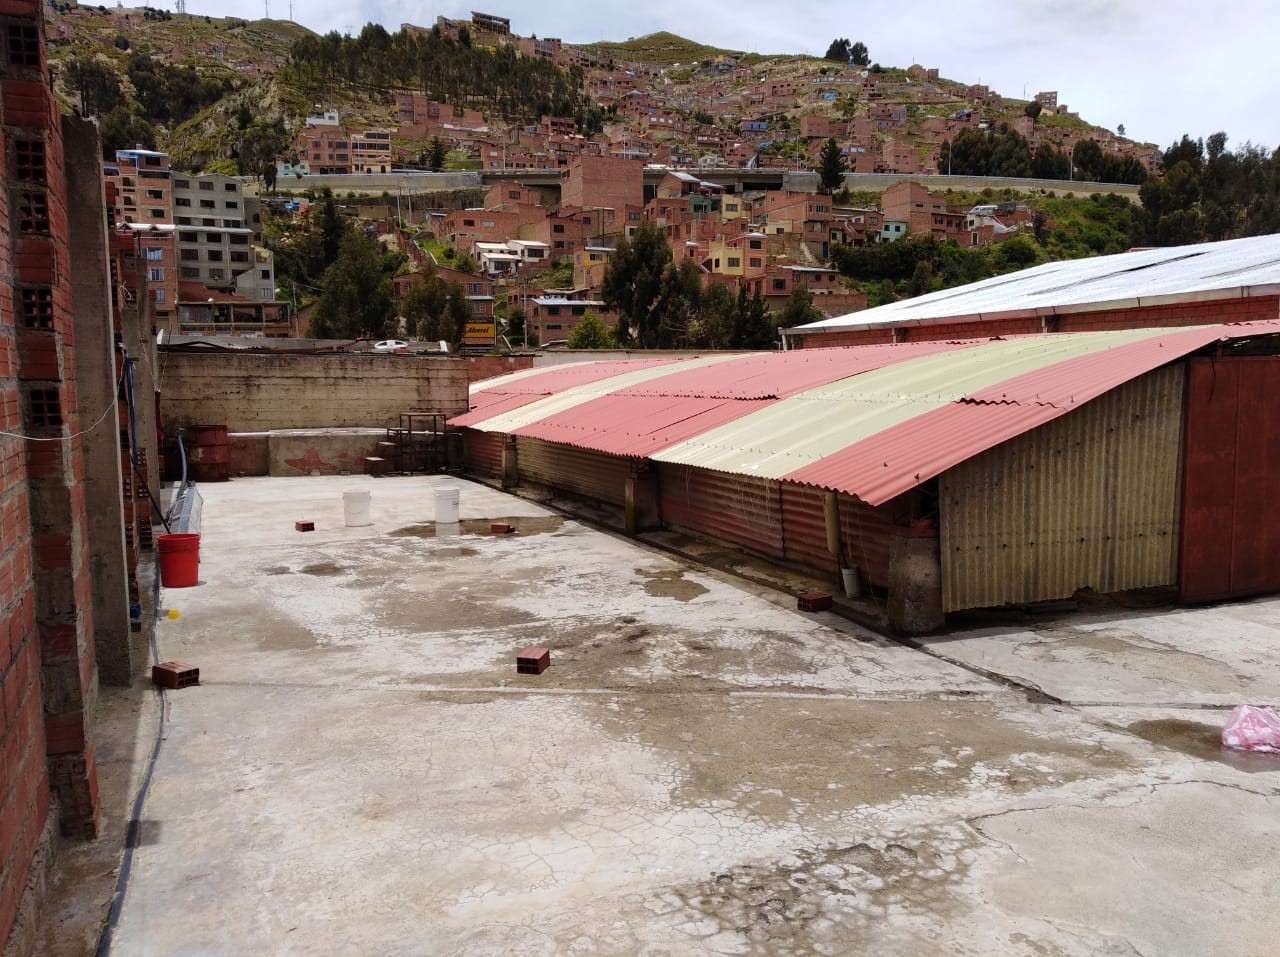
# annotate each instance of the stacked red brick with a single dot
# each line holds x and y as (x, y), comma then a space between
(47, 665)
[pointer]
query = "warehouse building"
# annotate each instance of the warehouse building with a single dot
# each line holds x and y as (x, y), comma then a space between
(1233, 281)
(953, 474)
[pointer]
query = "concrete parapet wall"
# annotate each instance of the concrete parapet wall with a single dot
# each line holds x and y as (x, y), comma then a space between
(260, 393)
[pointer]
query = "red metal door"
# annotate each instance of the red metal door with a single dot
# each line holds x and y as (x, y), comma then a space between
(1230, 521)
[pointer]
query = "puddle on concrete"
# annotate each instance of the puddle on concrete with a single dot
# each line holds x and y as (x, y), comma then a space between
(1203, 741)
(670, 583)
(321, 569)
(1113, 647)
(524, 526)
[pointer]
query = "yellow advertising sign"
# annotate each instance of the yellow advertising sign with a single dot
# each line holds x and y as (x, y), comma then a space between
(479, 332)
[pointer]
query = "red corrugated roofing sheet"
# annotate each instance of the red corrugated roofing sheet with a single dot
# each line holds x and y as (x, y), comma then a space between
(899, 458)
(643, 419)
(638, 425)
(502, 397)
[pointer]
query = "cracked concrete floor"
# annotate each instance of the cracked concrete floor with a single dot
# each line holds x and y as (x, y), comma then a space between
(703, 769)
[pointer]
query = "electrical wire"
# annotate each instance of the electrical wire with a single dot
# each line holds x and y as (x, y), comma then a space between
(75, 435)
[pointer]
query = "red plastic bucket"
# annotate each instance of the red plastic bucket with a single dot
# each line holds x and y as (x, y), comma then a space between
(179, 557)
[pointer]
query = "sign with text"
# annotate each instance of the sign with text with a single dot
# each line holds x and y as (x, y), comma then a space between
(479, 334)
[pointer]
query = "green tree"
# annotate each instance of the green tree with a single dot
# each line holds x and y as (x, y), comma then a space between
(1033, 109)
(752, 328)
(357, 293)
(799, 309)
(838, 51)
(713, 327)
(333, 229)
(831, 167)
(96, 85)
(921, 279)
(124, 129)
(633, 284)
(858, 53)
(591, 333)
(259, 147)
(436, 155)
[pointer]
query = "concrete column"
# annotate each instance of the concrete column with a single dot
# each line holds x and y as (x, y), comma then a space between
(915, 582)
(510, 463)
(96, 370)
(643, 506)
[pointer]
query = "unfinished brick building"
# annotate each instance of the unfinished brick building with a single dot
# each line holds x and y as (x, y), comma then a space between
(61, 542)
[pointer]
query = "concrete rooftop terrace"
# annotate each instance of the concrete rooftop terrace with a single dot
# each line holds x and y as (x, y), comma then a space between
(703, 769)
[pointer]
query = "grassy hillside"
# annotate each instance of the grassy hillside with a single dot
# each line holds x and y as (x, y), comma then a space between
(658, 49)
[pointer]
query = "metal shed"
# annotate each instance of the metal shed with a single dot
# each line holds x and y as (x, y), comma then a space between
(1023, 468)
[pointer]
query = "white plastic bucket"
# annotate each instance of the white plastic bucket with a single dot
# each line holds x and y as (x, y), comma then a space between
(852, 587)
(447, 504)
(355, 507)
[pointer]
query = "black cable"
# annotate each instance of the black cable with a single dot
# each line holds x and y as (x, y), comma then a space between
(133, 834)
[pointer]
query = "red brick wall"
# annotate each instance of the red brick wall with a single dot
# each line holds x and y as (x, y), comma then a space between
(47, 665)
(486, 367)
(1175, 314)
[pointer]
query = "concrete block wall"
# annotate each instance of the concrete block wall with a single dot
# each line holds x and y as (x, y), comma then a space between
(260, 393)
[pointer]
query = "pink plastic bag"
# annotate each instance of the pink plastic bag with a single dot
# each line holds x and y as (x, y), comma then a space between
(1252, 729)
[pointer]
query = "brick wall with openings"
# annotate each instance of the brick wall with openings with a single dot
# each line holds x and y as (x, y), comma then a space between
(47, 669)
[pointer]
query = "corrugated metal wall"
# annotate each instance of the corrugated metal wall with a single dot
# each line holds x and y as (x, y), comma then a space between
(570, 469)
(733, 508)
(1090, 499)
(804, 527)
(483, 452)
(1231, 527)
(864, 537)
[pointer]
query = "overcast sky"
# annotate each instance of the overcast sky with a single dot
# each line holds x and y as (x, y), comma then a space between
(1160, 67)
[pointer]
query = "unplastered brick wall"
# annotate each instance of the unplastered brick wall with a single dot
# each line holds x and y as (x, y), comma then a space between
(260, 393)
(48, 673)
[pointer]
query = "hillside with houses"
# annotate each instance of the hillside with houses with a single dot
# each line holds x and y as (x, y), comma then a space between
(590, 167)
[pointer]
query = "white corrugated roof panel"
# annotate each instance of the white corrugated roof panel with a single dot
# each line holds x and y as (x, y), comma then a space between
(1232, 268)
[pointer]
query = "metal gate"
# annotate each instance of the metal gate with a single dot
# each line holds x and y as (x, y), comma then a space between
(1230, 522)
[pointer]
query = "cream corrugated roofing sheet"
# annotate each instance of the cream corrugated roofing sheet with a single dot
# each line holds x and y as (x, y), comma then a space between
(798, 431)
(1233, 268)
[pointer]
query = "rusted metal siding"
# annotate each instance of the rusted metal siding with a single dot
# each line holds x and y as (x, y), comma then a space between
(864, 538)
(574, 470)
(733, 508)
(1089, 499)
(804, 527)
(1231, 528)
(483, 452)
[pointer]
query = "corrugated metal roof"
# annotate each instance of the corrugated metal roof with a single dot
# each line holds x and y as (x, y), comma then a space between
(871, 421)
(1229, 269)
(793, 434)
(894, 460)
(641, 419)
(619, 376)
(503, 393)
